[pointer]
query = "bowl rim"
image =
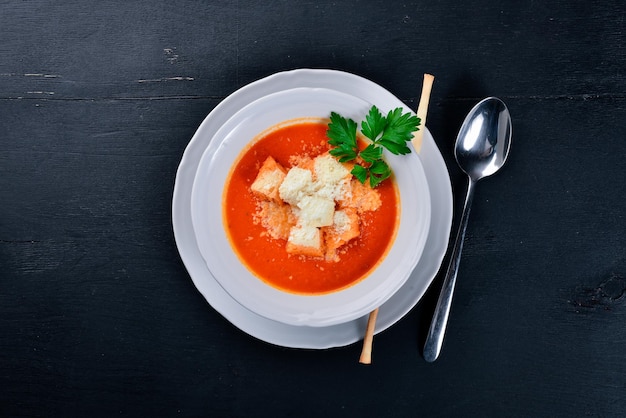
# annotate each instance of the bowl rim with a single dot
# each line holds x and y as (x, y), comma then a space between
(256, 295)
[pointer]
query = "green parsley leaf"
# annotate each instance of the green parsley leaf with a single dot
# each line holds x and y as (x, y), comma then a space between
(342, 131)
(371, 153)
(400, 128)
(344, 153)
(374, 124)
(360, 173)
(379, 171)
(380, 167)
(391, 132)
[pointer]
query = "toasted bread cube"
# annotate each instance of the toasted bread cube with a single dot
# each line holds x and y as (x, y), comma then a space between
(316, 211)
(277, 218)
(305, 240)
(332, 179)
(345, 227)
(297, 183)
(361, 197)
(303, 161)
(268, 180)
(346, 224)
(334, 191)
(329, 170)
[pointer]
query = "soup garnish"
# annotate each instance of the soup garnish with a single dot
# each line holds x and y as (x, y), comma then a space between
(391, 132)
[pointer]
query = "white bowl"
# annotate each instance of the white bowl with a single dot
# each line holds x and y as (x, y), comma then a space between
(251, 292)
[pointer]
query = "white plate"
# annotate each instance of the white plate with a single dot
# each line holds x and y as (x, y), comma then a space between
(320, 310)
(294, 336)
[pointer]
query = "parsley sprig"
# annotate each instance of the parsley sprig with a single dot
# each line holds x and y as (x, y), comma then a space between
(391, 132)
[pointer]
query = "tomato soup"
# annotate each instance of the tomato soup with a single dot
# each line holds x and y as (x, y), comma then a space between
(265, 256)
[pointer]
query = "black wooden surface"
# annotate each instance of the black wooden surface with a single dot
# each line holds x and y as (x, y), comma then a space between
(98, 315)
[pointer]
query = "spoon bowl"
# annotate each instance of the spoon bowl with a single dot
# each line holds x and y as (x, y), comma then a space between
(484, 139)
(482, 147)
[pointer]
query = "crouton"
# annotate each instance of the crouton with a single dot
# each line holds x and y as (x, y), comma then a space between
(316, 211)
(346, 224)
(276, 218)
(329, 170)
(345, 227)
(269, 179)
(296, 184)
(305, 240)
(302, 161)
(362, 197)
(332, 179)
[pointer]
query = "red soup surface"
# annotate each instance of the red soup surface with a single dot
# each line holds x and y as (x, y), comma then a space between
(266, 257)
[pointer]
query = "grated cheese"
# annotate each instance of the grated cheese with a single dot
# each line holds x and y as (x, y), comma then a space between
(317, 207)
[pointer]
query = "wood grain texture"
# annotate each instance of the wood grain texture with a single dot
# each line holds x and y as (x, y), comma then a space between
(98, 315)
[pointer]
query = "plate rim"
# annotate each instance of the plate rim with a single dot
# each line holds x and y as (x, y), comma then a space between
(293, 336)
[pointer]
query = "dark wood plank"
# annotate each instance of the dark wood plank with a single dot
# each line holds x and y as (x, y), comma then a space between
(97, 312)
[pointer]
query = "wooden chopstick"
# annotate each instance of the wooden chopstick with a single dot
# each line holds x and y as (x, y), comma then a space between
(422, 110)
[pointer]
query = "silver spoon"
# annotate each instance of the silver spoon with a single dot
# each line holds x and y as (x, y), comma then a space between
(482, 146)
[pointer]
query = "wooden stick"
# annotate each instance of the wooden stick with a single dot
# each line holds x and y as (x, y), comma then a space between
(366, 353)
(422, 110)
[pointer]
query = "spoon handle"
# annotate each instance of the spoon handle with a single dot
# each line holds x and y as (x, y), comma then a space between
(434, 340)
